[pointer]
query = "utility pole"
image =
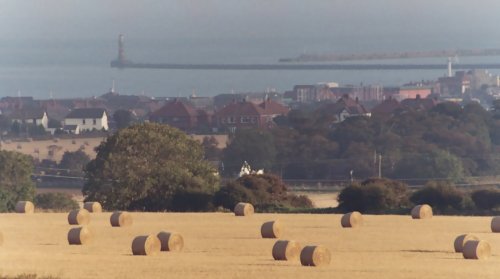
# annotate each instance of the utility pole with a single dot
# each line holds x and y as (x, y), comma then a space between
(379, 166)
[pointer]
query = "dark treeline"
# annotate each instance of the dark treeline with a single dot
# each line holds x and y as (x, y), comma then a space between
(448, 141)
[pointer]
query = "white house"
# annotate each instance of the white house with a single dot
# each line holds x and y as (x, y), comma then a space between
(31, 116)
(88, 119)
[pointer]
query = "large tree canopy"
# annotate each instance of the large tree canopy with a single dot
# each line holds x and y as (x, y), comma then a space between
(141, 168)
(15, 179)
(74, 161)
(254, 146)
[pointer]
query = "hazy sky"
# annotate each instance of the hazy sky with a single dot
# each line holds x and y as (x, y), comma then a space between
(355, 19)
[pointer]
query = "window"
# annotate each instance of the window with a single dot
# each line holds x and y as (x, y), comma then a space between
(245, 119)
(94, 121)
(83, 121)
(231, 119)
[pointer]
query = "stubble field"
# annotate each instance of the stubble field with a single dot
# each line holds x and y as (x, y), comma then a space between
(220, 245)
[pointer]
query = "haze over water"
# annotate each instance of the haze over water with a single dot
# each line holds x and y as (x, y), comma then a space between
(65, 48)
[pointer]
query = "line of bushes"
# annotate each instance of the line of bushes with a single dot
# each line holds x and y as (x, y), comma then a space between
(388, 196)
(266, 192)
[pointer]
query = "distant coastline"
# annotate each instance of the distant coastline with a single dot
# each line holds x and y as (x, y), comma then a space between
(175, 66)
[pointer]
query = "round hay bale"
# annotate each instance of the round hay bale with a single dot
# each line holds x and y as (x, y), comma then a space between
(243, 209)
(495, 224)
(315, 256)
(170, 241)
(271, 229)
(461, 240)
(93, 207)
(422, 211)
(25, 207)
(286, 250)
(477, 250)
(146, 245)
(351, 220)
(79, 236)
(79, 217)
(121, 219)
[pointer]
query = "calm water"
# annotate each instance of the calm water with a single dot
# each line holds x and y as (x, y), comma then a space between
(81, 68)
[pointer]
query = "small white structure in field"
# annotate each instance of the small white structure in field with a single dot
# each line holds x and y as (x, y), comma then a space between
(246, 169)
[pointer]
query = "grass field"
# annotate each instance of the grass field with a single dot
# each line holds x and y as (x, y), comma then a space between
(54, 149)
(220, 245)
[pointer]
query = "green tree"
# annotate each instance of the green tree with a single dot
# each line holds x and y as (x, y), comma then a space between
(211, 149)
(441, 195)
(436, 164)
(15, 179)
(266, 192)
(74, 161)
(486, 198)
(57, 202)
(123, 118)
(374, 195)
(251, 145)
(143, 166)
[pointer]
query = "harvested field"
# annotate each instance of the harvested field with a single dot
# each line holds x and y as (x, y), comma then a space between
(53, 149)
(220, 245)
(321, 199)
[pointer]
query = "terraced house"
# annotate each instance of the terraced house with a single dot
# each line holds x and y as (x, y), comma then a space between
(250, 115)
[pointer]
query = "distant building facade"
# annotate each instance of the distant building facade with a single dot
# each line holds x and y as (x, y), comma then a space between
(87, 119)
(250, 115)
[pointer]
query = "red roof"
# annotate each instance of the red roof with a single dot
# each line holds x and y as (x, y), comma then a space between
(271, 107)
(241, 108)
(175, 109)
(387, 107)
(268, 107)
(346, 103)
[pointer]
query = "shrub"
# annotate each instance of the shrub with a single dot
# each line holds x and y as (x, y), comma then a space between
(300, 201)
(231, 194)
(441, 195)
(373, 195)
(59, 202)
(486, 198)
(266, 192)
(15, 179)
(187, 201)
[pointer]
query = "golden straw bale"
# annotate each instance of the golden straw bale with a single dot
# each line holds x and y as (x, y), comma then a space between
(93, 207)
(25, 207)
(495, 224)
(170, 241)
(121, 219)
(477, 250)
(271, 229)
(286, 250)
(1, 238)
(315, 256)
(422, 211)
(146, 245)
(79, 217)
(461, 240)
(79, 236)
(243, 209)
(352, 220)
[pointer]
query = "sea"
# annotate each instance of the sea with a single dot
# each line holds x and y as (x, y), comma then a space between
(73, 68)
